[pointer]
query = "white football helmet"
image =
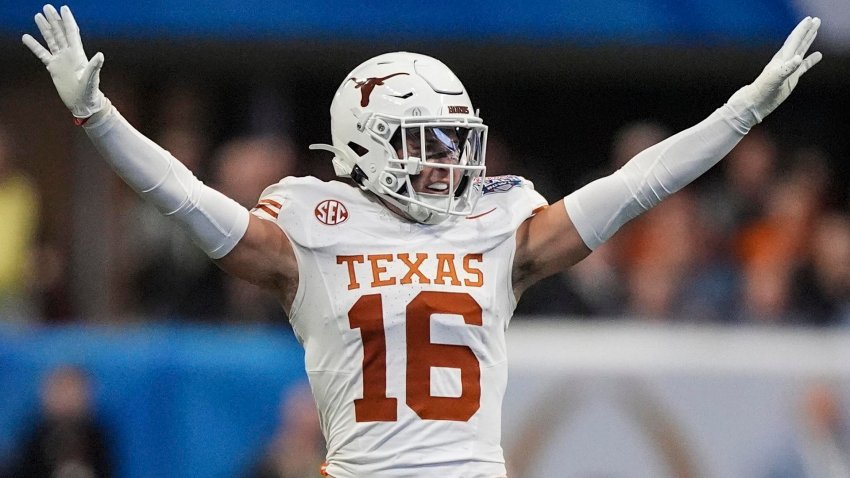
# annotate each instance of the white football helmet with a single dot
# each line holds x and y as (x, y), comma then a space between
(397, 114)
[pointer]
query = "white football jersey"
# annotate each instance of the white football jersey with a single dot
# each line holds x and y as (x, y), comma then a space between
(403, 325)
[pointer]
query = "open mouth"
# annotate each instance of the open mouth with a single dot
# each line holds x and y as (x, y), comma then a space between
(438, 188)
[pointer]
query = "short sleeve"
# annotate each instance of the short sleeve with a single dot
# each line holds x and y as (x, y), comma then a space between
(271, 202)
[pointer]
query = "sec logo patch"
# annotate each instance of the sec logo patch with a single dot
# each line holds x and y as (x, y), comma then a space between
(331, 212)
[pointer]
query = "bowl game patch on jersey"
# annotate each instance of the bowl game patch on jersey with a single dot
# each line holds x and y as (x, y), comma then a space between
(500, 184)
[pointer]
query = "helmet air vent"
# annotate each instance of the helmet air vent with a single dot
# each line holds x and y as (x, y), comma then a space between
(438, 77)
(358, 149)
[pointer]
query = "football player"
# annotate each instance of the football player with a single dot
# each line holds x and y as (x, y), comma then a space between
(400, 280)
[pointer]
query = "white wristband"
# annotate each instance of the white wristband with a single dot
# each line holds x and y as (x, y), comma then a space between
(600, 208)
(214, 221)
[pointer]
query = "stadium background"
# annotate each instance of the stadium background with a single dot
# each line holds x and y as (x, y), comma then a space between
(555, 81)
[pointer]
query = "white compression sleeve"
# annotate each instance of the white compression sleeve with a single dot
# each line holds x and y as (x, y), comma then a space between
(214, 221)
(600, 208)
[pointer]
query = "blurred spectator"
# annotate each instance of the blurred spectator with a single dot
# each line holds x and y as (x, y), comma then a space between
(67, 442)
(746, 245)
(245, 166)
(674, 275)
(182, 107)
(821, 446)
(552, 295)
(242, 169)
(598, 282)
(19, 213)
(170, 276)
(164, 274)
(678, 274)
(687, 273)
(633, 138)
(748, 174)
(502, 160)
(773, 247)
(51, 285)
(602, 280)
(656, 266)
(822, 291)
(297, 449)
(173, 277)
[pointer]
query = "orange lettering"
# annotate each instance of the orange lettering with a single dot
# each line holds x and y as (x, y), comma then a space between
(413, 268)
(352, 274)
(446, 269)
(378, 270)
(479, 281)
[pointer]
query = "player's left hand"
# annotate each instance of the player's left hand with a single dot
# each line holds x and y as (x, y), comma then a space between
(780, 76)
(77, 79)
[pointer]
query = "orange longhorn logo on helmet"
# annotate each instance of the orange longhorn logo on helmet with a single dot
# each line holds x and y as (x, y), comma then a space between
(366, 86)
(331, 212)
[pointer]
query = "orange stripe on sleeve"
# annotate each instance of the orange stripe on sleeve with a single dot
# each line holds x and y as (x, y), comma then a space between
(538, 209)
(271, 203)
(268, 210)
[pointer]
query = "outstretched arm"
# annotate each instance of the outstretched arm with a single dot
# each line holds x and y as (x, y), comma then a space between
(561, 236)
(242, 244)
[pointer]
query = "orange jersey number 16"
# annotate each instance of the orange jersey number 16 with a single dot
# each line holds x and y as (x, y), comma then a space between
(422, 354)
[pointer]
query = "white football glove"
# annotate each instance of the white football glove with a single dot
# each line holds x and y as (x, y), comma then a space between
(77, 79)
(780, 76)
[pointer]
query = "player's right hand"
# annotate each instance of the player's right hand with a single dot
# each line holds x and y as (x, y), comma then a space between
(77, 79)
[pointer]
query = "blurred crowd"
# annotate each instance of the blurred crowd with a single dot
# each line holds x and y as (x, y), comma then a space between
(66, 435)
(762, 238)
(66, 438)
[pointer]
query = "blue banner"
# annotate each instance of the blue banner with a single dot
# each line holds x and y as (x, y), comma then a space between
(691, 22)
(175, 401)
